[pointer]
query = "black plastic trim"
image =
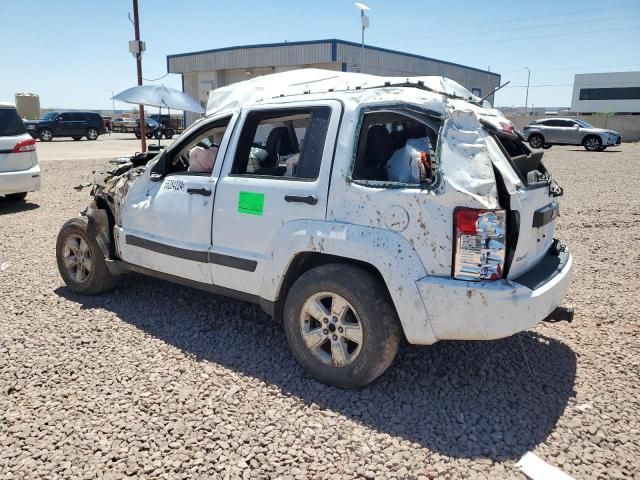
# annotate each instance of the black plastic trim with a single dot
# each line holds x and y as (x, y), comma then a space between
(550, 266)
(193, 255)
(544, 215)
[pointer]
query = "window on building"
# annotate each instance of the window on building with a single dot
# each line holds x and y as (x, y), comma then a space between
(622, 93)
(477, 92)
(283, 143)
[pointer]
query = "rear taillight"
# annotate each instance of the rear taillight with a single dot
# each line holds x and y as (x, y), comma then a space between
(24, 146)
(480, 247)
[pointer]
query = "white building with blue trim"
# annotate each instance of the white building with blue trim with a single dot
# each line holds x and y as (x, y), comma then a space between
(206, 70)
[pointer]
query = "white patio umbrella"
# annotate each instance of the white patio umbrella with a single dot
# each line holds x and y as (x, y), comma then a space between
(159, 96)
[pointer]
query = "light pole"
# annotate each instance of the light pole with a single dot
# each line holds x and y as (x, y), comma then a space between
(113, 102)
(136, 47)
(526, 100)
(364, 20)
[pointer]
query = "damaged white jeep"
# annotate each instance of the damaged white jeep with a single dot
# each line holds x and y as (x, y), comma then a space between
(356, 209)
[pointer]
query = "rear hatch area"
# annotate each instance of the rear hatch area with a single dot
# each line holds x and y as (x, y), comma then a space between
(531, 196)
(12, 133)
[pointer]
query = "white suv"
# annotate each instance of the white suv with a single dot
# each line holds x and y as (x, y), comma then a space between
(355, 209)
(19, 169)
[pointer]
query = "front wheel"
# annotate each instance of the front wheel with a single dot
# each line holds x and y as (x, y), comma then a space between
(592, 143)
(45, 135)
(80, 261)
(169, 133)
(341, 325)
(92, 134)
(536, 141)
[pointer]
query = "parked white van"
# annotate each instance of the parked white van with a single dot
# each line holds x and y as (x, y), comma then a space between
(356, 209)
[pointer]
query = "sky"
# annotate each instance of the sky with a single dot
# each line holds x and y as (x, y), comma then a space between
(74, 53)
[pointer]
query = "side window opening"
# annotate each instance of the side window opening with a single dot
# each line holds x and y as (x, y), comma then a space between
(527, 163)
(198, 153)
(287, 144)
(396, 147)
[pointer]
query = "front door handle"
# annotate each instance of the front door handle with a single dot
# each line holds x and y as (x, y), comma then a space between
(199, 191)
(310, 199)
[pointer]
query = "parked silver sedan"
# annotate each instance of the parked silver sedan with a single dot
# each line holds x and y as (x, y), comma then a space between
(569, 131)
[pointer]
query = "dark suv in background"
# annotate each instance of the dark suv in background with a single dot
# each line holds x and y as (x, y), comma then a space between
(67, 124)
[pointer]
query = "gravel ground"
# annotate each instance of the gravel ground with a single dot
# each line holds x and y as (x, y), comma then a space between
(157, 380)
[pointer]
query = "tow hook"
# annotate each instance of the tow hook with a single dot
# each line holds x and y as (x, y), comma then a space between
(560, 314)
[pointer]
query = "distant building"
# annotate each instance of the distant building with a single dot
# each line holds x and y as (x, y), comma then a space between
(209, 69)
(617, 92)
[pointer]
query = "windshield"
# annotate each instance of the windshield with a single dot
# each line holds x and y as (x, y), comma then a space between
(584, 124)
(49, 116)
(151, 122)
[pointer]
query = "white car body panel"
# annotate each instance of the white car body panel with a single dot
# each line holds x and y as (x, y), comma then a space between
(19, 172)
(404, 233)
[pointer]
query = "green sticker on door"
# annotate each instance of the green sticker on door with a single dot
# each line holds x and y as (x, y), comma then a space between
(251, 203)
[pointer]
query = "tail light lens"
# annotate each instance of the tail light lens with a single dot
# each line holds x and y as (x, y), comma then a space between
(480, 244)
(24, 146)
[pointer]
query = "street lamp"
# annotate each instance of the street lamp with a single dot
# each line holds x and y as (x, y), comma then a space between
(113, 102)
(526, 100)
(364, 20)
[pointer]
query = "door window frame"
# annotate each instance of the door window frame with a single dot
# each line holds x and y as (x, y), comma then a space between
(400, 109)
(188, 136)
(337, 110)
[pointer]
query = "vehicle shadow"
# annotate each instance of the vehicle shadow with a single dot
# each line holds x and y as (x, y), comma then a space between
(603, 151)
(14, 206)
(496, 399)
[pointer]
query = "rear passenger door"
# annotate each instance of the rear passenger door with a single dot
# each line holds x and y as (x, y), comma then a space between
(277, 171)
(79, 124)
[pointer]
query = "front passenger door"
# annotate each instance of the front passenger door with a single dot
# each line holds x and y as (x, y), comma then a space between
(166, 218)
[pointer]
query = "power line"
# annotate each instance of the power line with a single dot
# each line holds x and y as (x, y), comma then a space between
(509, 20)
(155, 79)
(514, 39)
(517, 29)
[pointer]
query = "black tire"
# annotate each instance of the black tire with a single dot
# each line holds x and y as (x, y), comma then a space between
(149, 134)
(536, 141)
(375, 313)
(157, 134)
(99, 279)
(45, 135)
(16, 197)
(92, 133)
(138, 135)
(592, 143)
(169, 133)
(77, 138)
(546, 146)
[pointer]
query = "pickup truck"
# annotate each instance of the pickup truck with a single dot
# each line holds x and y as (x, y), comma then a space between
(355, 209)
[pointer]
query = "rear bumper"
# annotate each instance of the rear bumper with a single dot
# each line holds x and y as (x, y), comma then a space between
(461, 310)
(20, 182)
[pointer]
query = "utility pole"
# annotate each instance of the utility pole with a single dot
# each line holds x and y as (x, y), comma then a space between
(136, 26)
(526, 100)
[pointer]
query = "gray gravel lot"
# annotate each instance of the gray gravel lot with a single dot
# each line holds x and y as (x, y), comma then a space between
(157, 380)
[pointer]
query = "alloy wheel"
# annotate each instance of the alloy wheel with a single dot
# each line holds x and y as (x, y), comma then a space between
(331, 329)
(77, 258)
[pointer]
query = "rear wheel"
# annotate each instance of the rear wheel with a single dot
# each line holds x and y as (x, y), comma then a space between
(16, 197)
(341, 325)
(169, 133)
(592, 143)
(77, 138)
(92, 134)
(46, 135)
(536, 141)
(138, 135)
(80, 260)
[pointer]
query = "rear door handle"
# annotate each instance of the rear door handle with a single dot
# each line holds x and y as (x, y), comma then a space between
(310, 199)
(199, 191)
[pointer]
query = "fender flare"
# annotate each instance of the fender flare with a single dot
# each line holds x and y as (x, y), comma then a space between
(388, 252)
